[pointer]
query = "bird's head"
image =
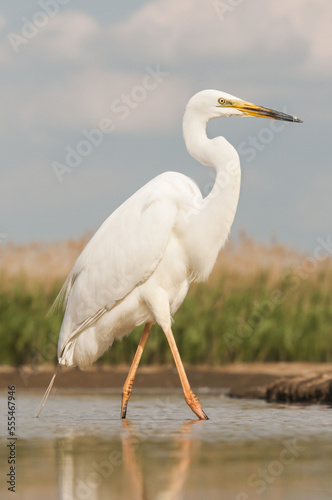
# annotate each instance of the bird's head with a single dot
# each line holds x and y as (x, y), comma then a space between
(213, 104)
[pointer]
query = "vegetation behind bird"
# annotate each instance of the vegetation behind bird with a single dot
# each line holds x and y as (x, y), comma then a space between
(261, 303)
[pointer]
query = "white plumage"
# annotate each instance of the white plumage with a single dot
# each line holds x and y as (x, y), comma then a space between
(138, 266)
(135, 252)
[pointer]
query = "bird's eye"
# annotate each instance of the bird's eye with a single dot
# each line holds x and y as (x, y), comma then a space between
(221, 100)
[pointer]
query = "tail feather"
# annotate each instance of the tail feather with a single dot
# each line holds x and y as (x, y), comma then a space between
(48, 390)
(63, 296)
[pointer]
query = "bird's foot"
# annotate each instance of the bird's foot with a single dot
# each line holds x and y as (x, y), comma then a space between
(127, 390)
(196, 407)
(124, 411)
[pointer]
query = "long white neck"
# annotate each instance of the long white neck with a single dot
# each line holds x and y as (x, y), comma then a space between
(211, 221)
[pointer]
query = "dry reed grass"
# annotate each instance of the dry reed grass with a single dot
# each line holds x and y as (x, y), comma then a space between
(234, 317)
(48, 264)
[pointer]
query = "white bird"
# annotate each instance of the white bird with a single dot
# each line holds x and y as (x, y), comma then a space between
(138, 266)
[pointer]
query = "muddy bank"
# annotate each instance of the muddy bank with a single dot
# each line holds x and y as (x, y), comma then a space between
(275, 382)
(295, 383)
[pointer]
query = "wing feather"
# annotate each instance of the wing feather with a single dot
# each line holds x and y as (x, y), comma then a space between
(123, 253)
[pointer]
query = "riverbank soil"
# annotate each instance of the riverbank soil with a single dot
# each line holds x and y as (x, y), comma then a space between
(274, 382)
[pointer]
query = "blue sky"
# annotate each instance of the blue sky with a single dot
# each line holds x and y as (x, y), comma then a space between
(120, 74)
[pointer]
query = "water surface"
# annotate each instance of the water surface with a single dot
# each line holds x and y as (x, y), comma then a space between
(80, 449)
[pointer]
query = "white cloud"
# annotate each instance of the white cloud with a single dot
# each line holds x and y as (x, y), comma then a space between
(67, 76)
(69, 36)
(176, 35)
(65, 37)
(82, 93)
(310, 20)
(172, 32)
(175, 30)
(90, 95)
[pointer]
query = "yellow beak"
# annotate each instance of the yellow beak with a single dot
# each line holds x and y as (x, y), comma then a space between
(250, 109)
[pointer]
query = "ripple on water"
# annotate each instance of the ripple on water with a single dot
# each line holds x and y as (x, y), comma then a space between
(162, 453)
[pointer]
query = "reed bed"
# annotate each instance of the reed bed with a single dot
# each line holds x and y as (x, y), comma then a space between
(261, 303)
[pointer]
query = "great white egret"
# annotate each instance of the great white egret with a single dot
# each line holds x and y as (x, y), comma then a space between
(138, 266)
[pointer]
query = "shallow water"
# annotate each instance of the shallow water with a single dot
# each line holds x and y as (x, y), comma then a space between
(80, 449)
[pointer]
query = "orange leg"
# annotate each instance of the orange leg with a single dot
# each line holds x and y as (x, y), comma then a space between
(190, 397)
(128, 385)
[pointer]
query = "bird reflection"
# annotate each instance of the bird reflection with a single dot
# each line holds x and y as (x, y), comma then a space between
(86, 473)
(132, 469)
(187, 446)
